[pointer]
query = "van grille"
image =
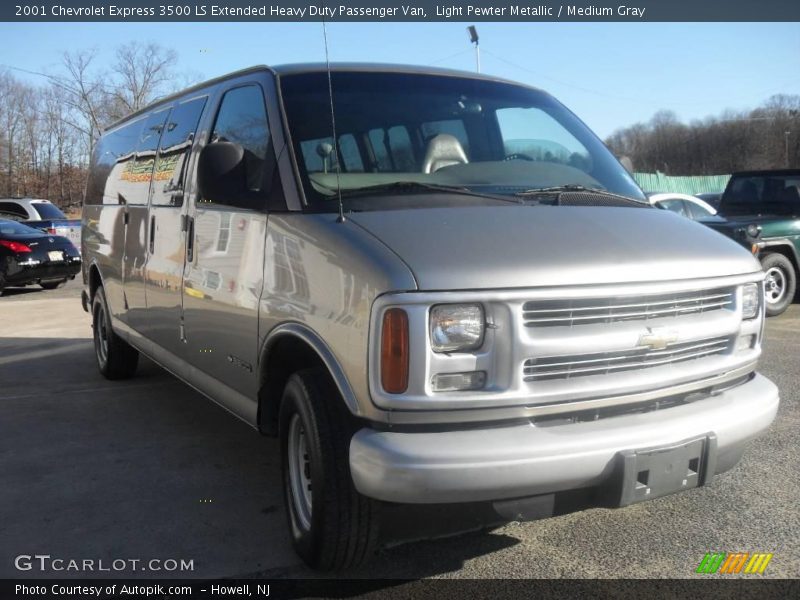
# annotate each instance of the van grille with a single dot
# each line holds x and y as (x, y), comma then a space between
(601, 363)
(584, 311)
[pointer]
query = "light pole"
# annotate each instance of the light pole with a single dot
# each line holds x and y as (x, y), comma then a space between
(473, 37)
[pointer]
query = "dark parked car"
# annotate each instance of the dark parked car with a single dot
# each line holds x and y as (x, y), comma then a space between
(761, 210)
(28, 255)
(41, 214)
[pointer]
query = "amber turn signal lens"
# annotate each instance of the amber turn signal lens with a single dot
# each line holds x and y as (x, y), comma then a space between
(394, 351)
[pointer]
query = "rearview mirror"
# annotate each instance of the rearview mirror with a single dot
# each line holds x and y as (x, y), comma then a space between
(222, 174)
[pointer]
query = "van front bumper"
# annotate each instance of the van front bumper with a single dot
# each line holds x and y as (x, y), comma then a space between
(524, 460)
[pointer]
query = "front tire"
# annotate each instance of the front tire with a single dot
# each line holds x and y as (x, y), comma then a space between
(333, 527)
(780, 283)
(116, 359)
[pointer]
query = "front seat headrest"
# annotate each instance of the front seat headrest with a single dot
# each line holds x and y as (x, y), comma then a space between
(443, 150)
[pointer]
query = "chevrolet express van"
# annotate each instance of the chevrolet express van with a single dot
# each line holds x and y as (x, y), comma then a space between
(435, 287)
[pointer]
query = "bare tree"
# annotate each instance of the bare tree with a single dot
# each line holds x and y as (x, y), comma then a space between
(143, 73)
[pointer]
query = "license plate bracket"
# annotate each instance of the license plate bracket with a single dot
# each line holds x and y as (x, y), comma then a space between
(658, 471)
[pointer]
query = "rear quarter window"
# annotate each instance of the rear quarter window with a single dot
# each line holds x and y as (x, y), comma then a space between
(48, 211)
(12, 210)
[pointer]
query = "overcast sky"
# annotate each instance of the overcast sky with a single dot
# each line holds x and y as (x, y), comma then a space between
(610, 74)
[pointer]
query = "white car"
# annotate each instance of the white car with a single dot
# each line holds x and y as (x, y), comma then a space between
(689, 206)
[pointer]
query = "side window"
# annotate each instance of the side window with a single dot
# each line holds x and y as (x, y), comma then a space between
(242, 119)
(111, 160)
(380, 148)
(13, 211)
(318, 155)
(454, 127)
(675, 206)
(140, 171)
(351, 155)
(695, 210)
(392, 149)
(537, 135)
(174, 151)
(400, 145)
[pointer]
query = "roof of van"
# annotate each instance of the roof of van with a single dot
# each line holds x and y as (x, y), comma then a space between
(299, 68)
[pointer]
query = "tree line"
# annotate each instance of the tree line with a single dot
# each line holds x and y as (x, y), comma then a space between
(767, 137)
(48, 131)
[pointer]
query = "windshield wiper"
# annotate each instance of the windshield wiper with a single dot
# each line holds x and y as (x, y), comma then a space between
(573, 187)
(417, 187)
(557, 189)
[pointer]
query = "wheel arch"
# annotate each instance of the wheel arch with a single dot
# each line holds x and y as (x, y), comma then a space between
(95, 281)
(287, 349)
(784, 247)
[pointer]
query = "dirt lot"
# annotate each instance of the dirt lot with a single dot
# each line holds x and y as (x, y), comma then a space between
(150, 469)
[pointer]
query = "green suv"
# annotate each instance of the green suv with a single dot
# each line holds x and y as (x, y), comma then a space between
(761, 210)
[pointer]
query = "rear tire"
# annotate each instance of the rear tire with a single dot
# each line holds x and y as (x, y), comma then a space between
(780, 283)
(116, 359)
(2, 283)
(333, 527)
(51, 285)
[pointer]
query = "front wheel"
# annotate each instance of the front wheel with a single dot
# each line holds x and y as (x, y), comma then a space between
(333, 527)
(780, 283)
(116, 359)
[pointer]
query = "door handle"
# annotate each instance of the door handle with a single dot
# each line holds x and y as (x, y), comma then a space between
(189, 239)
(152, 233)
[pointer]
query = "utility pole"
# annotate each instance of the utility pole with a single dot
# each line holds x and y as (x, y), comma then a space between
(473, 37)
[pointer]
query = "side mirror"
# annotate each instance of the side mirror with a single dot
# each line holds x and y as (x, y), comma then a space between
(222, 174)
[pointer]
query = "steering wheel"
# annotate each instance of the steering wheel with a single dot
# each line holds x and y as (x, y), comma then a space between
(519, 156)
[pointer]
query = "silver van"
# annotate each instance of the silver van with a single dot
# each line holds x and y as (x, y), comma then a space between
(435, 287)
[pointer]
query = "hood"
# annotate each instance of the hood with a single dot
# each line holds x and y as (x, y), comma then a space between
(531, 246)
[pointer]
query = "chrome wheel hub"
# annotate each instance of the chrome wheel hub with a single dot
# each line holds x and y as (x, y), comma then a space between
(775, 285)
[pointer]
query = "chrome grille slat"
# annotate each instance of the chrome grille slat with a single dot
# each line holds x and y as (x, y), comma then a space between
(624, 356)
(725, 296)
(644, 313)
(632, 308)
(565, 367)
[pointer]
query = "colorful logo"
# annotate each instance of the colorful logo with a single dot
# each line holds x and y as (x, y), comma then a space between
(730, 563)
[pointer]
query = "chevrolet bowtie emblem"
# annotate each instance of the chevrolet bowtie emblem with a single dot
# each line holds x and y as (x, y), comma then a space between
(657, 338)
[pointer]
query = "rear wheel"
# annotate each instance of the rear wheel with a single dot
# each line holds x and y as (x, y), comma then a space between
(333, 527)
(51, 285)
(780, 283)
(116, 359)
(2, 282)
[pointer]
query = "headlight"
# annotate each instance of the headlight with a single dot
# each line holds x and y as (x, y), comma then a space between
(456, 327)
(750, 296)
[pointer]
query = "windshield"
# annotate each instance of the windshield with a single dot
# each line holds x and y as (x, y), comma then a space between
(459, 133)
(777, 194)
